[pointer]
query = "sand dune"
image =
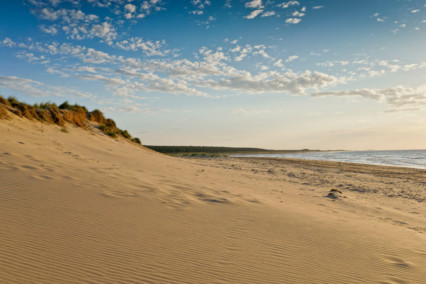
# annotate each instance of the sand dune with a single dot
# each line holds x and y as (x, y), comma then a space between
(81, 207)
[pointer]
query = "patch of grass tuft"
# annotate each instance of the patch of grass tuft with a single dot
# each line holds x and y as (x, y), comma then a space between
(45, 105)
(3, 113)
(74, 107)
(96, 116)
(63, 129)
(112, 134)
(125, 134)
(4, 102)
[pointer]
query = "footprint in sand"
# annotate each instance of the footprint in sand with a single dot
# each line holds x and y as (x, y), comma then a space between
(43, 177)
(393, 280)
(398, 261)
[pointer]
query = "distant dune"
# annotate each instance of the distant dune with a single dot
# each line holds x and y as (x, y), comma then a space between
(83, 206)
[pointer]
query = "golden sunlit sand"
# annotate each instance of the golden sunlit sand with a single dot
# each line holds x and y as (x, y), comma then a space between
(82, 207)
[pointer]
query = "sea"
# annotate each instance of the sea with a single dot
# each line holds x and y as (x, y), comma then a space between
(400, 158)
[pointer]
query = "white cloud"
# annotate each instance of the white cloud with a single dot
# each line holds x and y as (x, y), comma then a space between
(52, 70)
(49, 30)
(268, 14)
(37, 89)
(129, 10)
(8, 42)
(398, 97)
(272, 81)
(170, 86)
(94, 56)
(298, 14)
(292, 20)
(262, 53)
(30, 57)
(378, 19)
(285, 5)
(201, 4)
(148, 6)
(292, 58)
(101, 3)
(150, 48)
(106, 80)
(132, 109)
(279, 63)
(253, 14)
(78, 25)
(23, 85)
(89, 69)
(48, 14)
(415, 11)
(105, 31)
(245, 112)
(317, 7)
(255, 4)
(55, 2)
(66, 16)
(184, 76)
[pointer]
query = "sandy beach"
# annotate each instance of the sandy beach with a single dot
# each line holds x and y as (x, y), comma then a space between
(81, 207)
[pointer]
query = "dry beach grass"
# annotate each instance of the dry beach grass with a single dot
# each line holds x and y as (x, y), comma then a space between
(81, 207)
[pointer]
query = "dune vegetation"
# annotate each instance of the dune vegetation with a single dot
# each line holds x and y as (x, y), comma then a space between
(60, 115)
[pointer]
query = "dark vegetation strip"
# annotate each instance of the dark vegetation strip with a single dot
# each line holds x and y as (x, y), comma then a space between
(218, 150)
(53, 114)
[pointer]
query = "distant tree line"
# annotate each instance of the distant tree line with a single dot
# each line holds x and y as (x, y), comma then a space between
(215, 150)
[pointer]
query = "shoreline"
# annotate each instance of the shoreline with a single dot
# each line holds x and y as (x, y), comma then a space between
(324, 159)
(347, 165)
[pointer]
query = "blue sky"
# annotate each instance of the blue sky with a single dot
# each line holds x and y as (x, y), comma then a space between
(347, 74)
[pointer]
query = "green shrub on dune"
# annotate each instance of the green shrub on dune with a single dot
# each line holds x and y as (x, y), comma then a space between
(5, 102)
(137, 140)
(125, 134)
(74, 107)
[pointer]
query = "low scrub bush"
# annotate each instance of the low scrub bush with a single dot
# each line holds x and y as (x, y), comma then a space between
(137, 140)
(108, 130)
(125, 134)
(103, 128)
(77, 117)
(45, 105)
(4, 102)
(3, 113)
(27, 111)
(13, 100)
(44, 115)
(56, 116)
(74, 107)
(110, 123)
(96, 116)
(112, 134)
